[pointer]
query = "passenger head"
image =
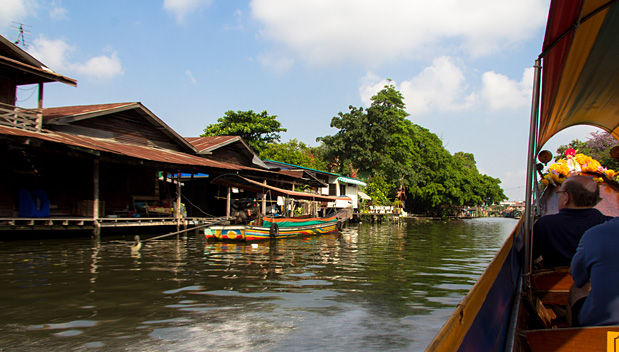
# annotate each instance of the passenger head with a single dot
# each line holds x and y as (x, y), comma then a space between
(580, 192)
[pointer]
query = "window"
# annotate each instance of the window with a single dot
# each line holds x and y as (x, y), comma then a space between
(332, 189)
(342, 189)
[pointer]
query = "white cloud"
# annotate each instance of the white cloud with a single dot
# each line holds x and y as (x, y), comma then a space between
(442, 87)
(276, 62)
(58, 12)
(439, 87)
(100, 67)
(370, 85)
(56, 55)
(52, 53)
(375, 32)
(499, 92)
(191, 77)
(181, 8)
(238, 22)
(13, 10)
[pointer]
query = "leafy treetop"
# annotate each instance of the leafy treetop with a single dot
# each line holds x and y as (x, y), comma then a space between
(257, 129)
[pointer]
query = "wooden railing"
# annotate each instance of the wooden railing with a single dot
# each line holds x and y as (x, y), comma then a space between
(27, 119)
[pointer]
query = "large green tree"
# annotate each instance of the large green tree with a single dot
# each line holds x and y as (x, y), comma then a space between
(382, 143)
(257, 129)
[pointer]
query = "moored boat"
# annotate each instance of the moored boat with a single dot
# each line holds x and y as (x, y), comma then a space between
(283, 227)
(510, 308)
(276, 227)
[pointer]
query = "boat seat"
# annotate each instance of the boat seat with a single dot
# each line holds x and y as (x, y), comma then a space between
(598, 338)
(552, 286)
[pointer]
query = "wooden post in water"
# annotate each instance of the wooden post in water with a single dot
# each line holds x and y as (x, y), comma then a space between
(264, 201)
(95, 196)
(228, 200)
(178, 200)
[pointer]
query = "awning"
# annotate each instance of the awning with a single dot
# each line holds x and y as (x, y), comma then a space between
(580, 79)
(233, 180)
(364, 196)
(351, 181)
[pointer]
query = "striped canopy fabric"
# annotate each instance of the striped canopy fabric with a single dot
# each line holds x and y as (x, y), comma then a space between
(580, 60)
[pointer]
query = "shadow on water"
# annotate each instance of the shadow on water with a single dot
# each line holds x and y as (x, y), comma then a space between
(372, 287)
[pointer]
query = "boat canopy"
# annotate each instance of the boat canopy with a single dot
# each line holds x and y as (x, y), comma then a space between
(580, 79)
(233, 180)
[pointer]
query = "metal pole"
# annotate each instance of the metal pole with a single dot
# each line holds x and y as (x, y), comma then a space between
(228, 201)
(528, 220)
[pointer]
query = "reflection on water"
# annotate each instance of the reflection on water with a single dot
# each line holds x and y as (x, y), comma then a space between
(374, 287)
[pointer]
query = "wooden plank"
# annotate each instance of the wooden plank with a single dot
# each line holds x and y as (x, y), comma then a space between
(553, 280)
(553, 286)
(574, 339)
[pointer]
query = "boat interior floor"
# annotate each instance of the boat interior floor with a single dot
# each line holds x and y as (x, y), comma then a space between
(549, 327)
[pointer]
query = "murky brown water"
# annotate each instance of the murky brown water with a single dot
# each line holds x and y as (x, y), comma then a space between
(372, 288)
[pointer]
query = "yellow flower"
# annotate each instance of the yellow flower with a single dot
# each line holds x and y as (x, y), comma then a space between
(591, 166)
(582, 159)
(544, 182)
(610, 173)
(560, 167)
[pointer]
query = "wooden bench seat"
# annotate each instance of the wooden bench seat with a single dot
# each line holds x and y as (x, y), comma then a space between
(552, 286)
(598, 338)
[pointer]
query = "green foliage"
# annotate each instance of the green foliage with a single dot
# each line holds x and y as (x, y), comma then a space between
(296, 153)
(382, 143)
(257, 130)
(375, 189)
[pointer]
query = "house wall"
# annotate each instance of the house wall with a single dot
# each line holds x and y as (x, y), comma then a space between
(7, 89)
(231, 156)
(64, 179)
(350, 190)
(126, 127)
(68, 182)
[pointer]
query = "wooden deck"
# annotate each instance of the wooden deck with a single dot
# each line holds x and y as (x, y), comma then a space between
(86, 223)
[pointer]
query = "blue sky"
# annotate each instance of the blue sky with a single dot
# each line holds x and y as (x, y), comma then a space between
(464, 67)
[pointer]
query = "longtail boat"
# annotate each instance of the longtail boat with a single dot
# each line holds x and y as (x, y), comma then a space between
(277, 227)
(510, 307)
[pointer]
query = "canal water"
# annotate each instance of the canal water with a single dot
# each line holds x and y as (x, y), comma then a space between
(382, 287)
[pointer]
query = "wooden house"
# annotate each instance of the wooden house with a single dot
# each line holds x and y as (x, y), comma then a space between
(232, 149)
(332, 184)
(105, 165)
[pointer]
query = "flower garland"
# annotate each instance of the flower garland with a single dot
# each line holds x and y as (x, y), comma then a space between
(572, 164)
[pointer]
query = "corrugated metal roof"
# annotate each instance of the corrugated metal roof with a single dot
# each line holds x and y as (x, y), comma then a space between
(51, 114)
(134, 151)
(33, 71)
(205, 145)
(72, 114)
